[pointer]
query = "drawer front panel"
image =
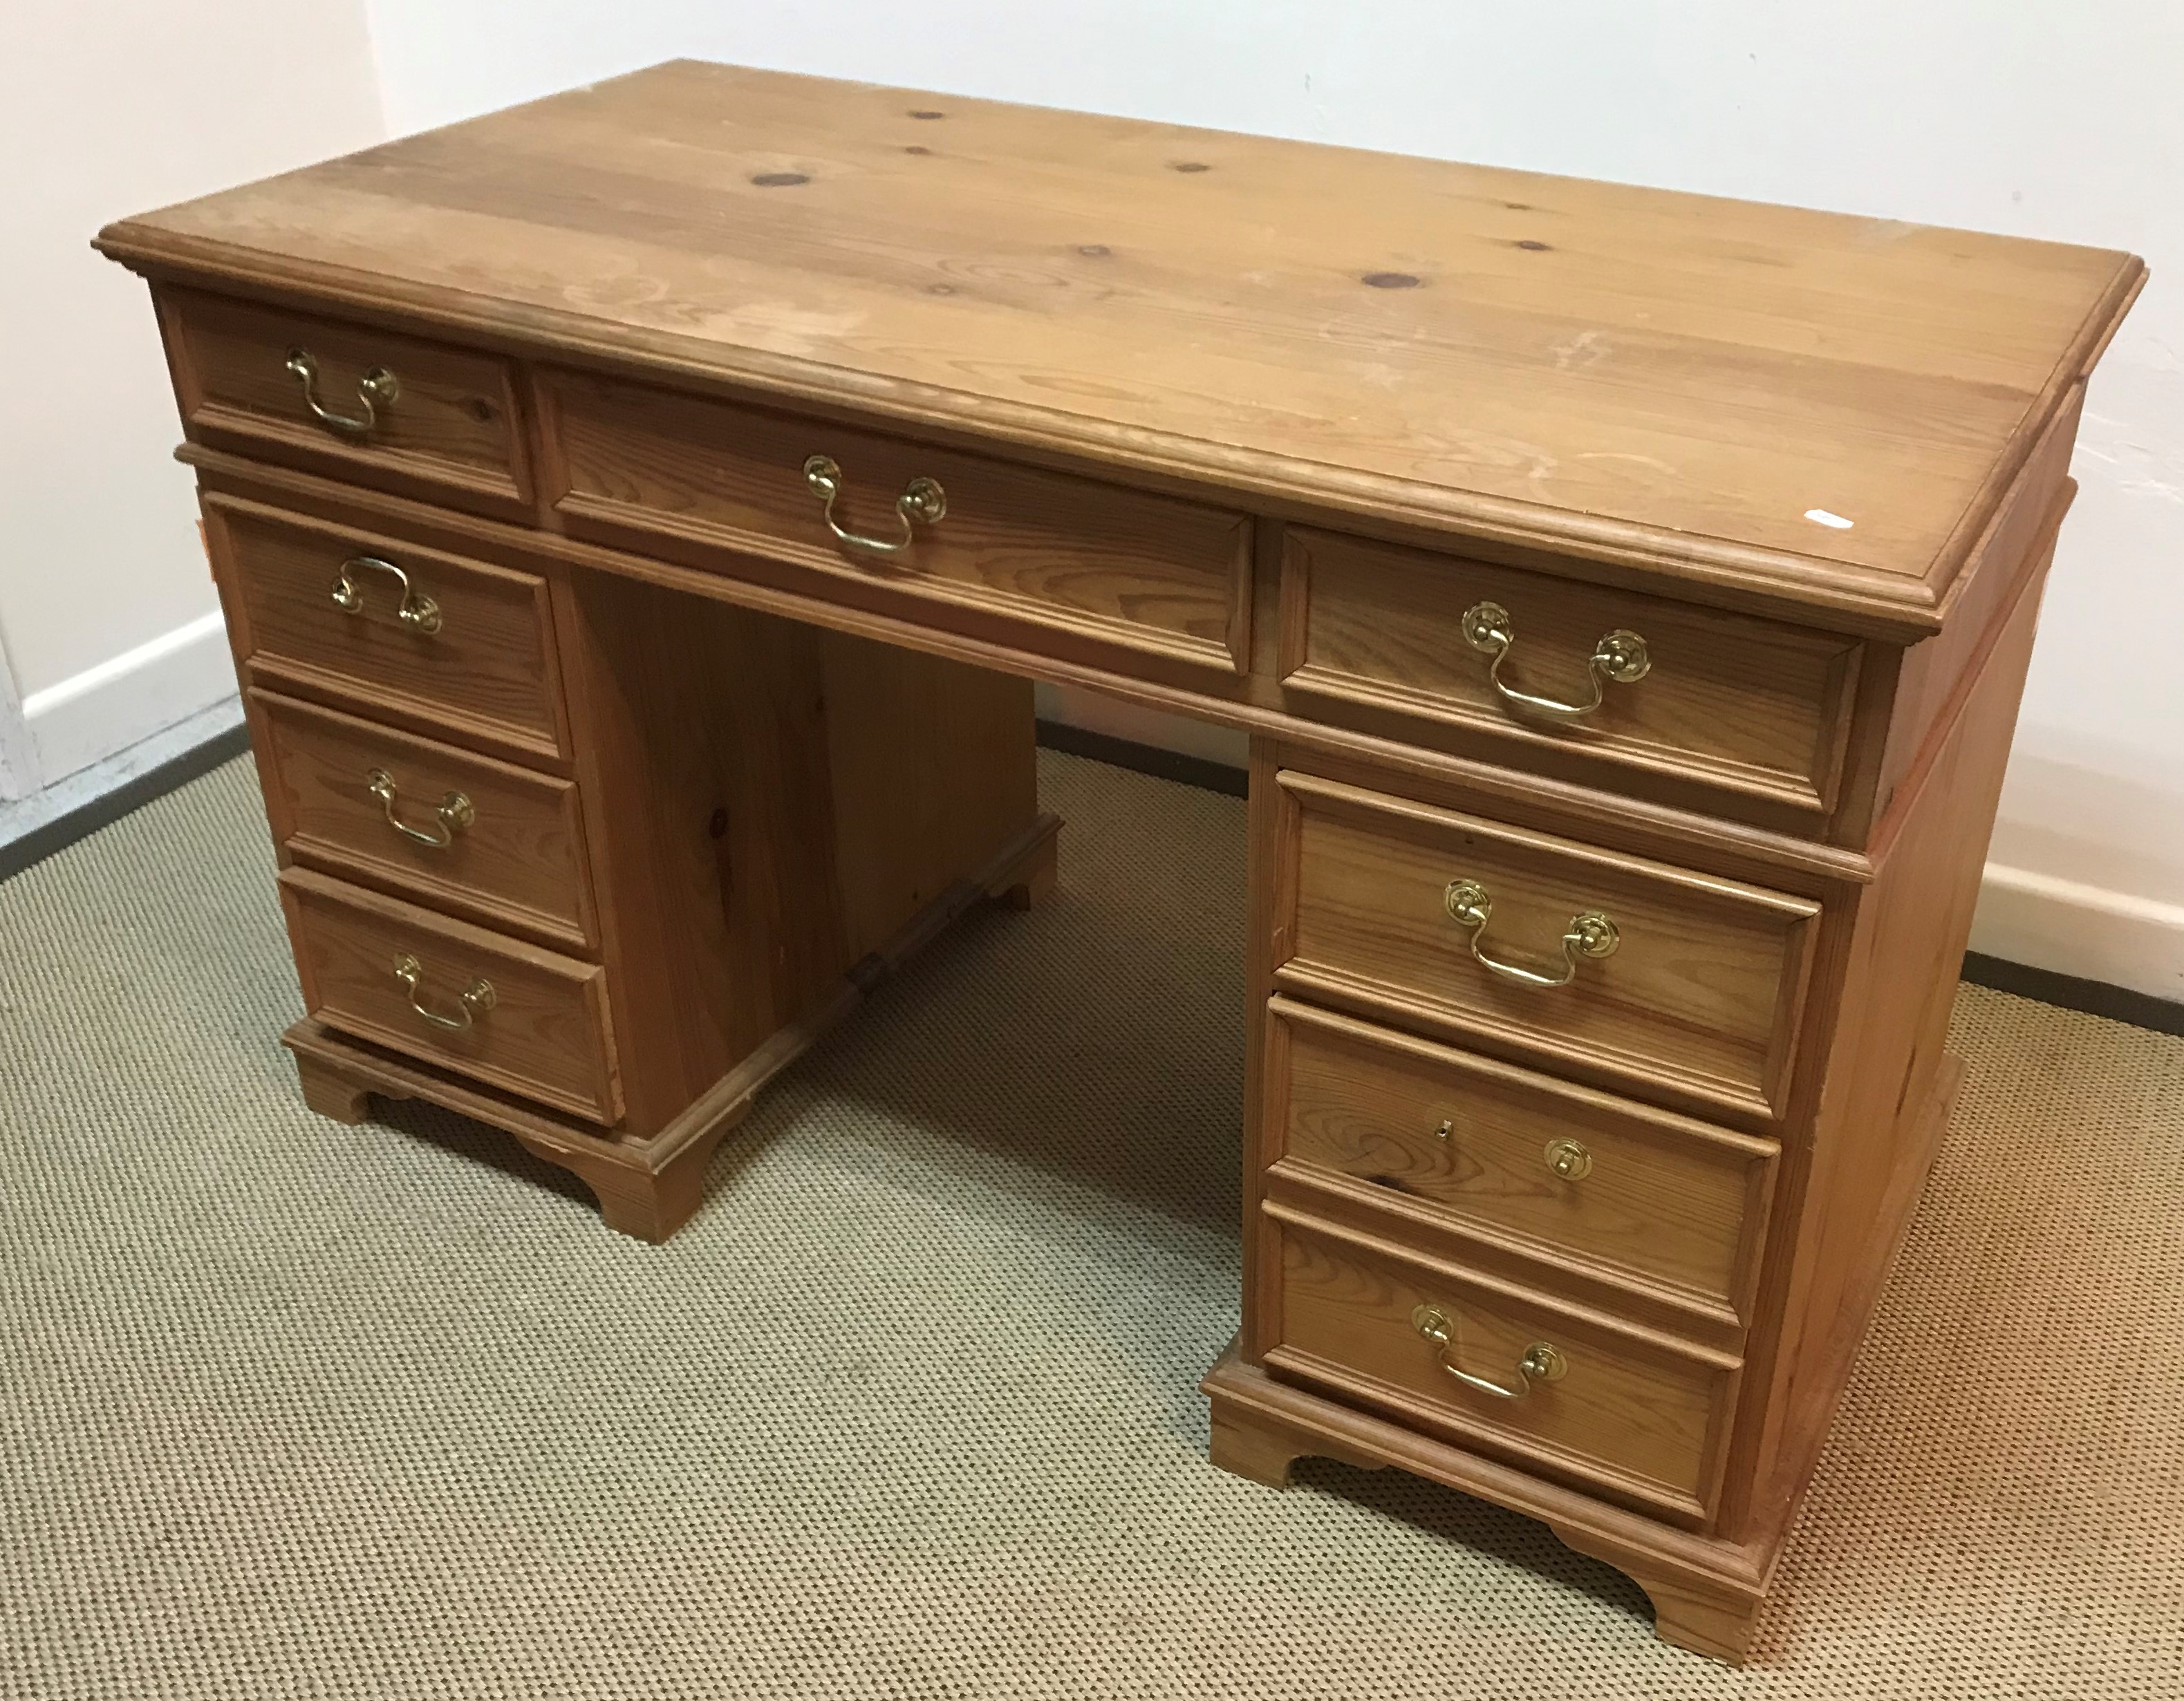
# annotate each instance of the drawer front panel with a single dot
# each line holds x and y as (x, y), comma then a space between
(1743, 705)
(1700, 1000)
(483, 838)
(1625, 1411)
(542, 1032)
(1053, 555)
(324, 604)
(1582, 1175)
(403, 410)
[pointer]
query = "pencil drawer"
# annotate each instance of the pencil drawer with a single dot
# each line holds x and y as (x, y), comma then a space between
(1616, 686)
(1653, 978)
(460, 646)
(1548, 1386)
(931, 533)
(484, 839)
(527, 1020)
(371, 406)
(1574, 1175)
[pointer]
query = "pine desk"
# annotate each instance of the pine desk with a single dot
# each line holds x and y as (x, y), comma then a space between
(640, 516)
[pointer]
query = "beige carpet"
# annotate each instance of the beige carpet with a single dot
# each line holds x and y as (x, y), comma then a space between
(293, 1410)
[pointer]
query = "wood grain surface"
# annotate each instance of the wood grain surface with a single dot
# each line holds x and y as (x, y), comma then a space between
(1663, 1197)
(1628, 372)
(1887, 1091)
(452, 428)
(488, 670)
(1120, 566)
(1699, 1004)
(1634, 1416)
(932, 766)
(1750, 706)
(545, 1038)
(517, 865)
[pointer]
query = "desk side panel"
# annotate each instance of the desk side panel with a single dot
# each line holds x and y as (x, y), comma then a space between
(701, 753)
(1884, 1101)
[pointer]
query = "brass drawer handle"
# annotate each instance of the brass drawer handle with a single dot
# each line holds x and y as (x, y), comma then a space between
(418, 611)
(1589, 934)
(456, 812)
(478, 996)
(922, 499)
(1543, 1362)
(1619, 655)
(377, 389)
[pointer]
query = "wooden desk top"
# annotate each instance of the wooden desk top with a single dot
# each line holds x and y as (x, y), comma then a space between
(1627, 374)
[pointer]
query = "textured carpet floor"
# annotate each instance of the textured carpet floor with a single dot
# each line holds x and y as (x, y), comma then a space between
(296, 1409)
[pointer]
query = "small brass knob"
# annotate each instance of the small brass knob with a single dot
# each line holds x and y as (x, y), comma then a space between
(1569, 1159)
(1469, 904)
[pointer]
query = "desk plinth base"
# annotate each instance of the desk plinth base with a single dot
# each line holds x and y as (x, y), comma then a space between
(650, 1188)
(1705, 1593)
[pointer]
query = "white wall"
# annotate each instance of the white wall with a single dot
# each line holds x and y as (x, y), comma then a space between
(108, 619)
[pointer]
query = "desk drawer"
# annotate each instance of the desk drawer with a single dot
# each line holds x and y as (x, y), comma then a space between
(1697, 1000)
(379, 407)
(1056, 556)
(460, 831)
(1579, 1175)
(1621, 1408)
(1753, 708)
(457, 643)
(540, 1032)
